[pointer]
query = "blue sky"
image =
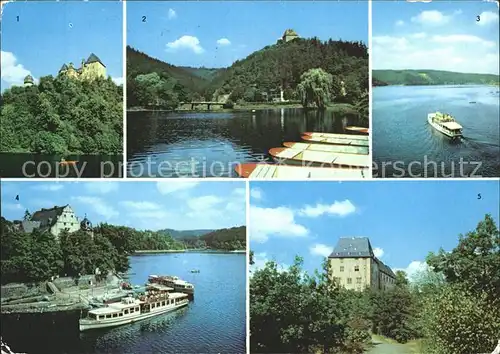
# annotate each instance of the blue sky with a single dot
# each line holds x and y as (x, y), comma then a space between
(404, 220)
(443, 35)
(142, 205)
(215, 34)
(50, 34)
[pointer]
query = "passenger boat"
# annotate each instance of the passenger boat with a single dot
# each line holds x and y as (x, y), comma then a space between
(335, 141)
(346, 149)
(337, 136)
(318, 158)
(445, 124)
(360, 130)
(130, 310)
(173, 282)
(267, 171)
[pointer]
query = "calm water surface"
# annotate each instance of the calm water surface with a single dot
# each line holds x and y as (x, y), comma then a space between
(401, 132)
(14, 165)
(214, 322)
(193, 144)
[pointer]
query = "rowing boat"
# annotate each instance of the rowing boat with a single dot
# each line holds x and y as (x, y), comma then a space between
(67, 162)
(267, 171)
(337, 136)
(345, 149)
(289, 156)
(361, 130)
(335, 141)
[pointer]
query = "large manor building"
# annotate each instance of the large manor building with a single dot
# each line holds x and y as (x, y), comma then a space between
(353, 265)
(54, 220)
(90, 69)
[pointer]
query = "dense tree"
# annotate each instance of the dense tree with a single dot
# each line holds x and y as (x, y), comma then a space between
(63, 116)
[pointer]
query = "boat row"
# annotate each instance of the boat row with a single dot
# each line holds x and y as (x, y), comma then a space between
(156, 300)
(319, 155)
(173, 282)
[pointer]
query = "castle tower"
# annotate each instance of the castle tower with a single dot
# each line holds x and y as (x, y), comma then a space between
(71, 72)
(63, 69)
(289, 35)
(29, 81)
(93, 68)
(86, 226)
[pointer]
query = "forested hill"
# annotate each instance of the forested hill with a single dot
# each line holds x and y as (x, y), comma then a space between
(151, 82)
(223, 239)
(183, 234)
(430, 77)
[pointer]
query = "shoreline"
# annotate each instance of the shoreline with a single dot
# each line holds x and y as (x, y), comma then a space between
(146, 252)
(492, 85)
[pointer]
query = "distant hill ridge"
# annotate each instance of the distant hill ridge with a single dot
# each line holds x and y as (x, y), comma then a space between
(431, 77)
(181, 234)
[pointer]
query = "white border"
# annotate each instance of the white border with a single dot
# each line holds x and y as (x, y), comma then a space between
(124, 85)
(247, 290)
(370, 98)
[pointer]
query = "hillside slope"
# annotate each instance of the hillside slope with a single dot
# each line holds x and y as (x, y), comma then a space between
(430, 77)
(184, 234)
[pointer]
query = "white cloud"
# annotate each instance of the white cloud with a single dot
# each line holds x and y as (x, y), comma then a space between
(241, 192)
(98, 205)
(186, 42)
(171, 14)
(118, 80)
(141, 205)
(400, 23)
(51, 187)
(260, 260)
(223, 42)
(320, 249)
(452, 52)
(256, 193)
(266, 222)
(203, 203)
(378, 252)
(101, 187)
(413, 269)
(486, 18)
(337, 208)
(13, 73)
(168, 187)
(431, 17)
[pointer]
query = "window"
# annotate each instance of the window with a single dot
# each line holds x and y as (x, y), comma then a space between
(358, 280)
(342, 268)
(356, 268)
(120, 314)
(137, 308)
(153, 306)
(108, 316)
(163, 303)
(100, 317)
(115, 315)
(341, 260)
(349, 280)
(131, 310)
(126, 312)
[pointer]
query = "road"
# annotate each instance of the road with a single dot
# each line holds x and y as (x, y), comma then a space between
(382, 346)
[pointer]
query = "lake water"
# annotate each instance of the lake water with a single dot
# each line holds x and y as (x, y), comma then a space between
(214, 322)
(40, 165)
(194, 144)
(402, 135)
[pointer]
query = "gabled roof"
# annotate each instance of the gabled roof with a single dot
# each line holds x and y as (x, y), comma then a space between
(290, 32)
(48, 217)
(348, 247)
(94, 59)
(64, 67)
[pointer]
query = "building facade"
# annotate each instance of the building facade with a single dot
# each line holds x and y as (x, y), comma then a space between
(354, 266)
(289, 35)
(90, 69)
(55, 220)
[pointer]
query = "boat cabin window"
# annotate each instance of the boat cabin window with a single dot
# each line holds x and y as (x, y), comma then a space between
(163, 303)
(115, 315)
(100, 317)
(92, 316)
(120, 314)
(108, 316)
(153, 306)
(137, 308)
(126, 312)
(131, 310)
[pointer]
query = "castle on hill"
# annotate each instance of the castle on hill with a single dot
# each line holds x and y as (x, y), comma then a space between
(288, 35)
(90, 69)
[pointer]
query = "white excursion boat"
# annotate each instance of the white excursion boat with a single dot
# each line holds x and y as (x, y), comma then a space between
(173, 282)
(445, 124)
(130, 310)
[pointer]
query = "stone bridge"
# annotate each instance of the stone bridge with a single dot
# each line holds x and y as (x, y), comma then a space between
(204, 105)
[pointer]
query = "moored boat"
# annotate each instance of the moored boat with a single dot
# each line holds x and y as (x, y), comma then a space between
(318, 158)
(346, 149)
(335, 141)
(266, 171)
(173, 282)
(130, 310)
(337, 136)
(360, 130)
(445, 124)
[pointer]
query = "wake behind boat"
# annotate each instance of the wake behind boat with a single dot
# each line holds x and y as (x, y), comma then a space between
(445, 124)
